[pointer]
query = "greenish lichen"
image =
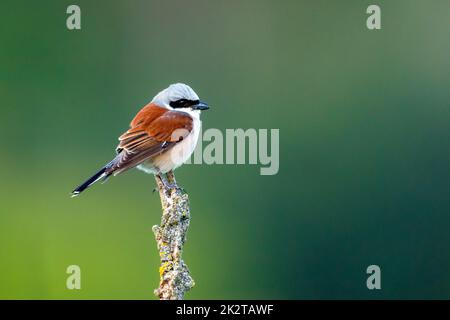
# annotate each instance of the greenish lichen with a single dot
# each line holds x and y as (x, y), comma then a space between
(170, 236)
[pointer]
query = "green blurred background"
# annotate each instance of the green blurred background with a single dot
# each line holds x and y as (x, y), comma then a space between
(364, 119)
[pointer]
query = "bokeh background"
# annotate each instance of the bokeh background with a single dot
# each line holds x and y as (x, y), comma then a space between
(364, 119)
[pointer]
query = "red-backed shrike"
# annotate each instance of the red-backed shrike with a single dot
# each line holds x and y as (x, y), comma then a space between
(162, 136)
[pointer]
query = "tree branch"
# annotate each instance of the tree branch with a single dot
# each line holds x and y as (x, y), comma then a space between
(170, 236)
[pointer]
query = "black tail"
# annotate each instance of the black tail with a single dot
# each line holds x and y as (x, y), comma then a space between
(102, 174)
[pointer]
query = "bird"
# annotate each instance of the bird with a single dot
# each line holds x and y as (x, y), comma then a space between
(161, 137)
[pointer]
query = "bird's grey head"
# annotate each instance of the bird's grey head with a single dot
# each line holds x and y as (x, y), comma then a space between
(179, 96)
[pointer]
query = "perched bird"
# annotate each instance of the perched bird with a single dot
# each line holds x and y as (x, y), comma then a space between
(162, 136)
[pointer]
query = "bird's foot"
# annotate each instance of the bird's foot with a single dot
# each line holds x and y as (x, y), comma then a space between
(173, 186)
(168, 186)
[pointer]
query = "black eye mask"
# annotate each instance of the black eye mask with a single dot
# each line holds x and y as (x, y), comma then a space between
(183, 103)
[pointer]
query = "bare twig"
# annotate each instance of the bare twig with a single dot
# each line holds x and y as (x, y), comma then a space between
(170, 236)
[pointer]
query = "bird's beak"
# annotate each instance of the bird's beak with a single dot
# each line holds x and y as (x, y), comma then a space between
(200, 106)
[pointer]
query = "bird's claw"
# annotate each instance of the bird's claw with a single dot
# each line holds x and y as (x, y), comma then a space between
(173, 186)
(169, 186)
(181, 189)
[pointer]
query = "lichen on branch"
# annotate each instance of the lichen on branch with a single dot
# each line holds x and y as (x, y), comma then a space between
(170, 235)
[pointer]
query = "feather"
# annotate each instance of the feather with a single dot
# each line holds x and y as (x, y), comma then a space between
(153, 131)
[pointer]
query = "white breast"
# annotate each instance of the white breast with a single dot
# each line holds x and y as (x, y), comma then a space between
(177, 155)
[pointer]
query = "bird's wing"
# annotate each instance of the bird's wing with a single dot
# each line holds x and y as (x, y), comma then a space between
(153, 131)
